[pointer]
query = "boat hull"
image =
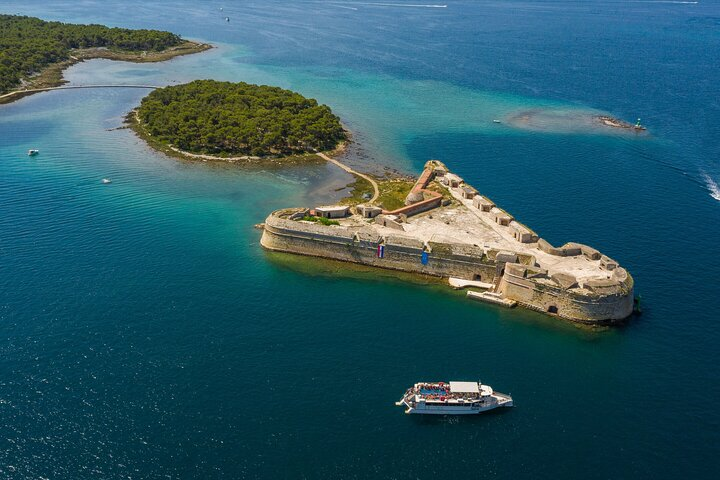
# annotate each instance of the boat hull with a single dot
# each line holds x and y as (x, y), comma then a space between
(423, 408)
(452, 410)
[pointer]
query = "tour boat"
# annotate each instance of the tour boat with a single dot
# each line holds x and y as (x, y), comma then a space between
(106, 180)
(33, 152)
(453, 398)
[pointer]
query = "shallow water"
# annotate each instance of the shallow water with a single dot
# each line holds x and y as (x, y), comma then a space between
(146, 334)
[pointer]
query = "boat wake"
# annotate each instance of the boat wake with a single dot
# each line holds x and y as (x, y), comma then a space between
(712, 186)
(665, 1)
(404, 5)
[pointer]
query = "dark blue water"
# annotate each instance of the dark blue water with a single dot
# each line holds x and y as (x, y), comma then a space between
(145, 334)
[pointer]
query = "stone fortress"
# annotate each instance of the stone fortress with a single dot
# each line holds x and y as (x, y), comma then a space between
(447, 229)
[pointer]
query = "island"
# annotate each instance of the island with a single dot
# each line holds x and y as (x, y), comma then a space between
(34, 52)
(213, 120)
(446, 228)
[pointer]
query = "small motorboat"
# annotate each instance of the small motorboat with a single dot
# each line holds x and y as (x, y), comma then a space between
(32, 152)
(106, 181)
(496, 121)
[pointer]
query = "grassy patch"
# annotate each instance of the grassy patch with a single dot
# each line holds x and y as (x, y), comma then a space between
(321, 220)
(358, 189)
(393, 193)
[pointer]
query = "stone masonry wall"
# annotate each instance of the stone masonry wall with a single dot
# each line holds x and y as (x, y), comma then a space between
(587, 308)
(277, 236)
(341, 244)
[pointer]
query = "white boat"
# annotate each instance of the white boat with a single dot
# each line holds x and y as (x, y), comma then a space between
(496, 121)
(106, 180)
(32, 152)
(452, 398)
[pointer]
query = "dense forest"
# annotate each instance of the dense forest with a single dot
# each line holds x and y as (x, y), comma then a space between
(28, 44)
(211, 117)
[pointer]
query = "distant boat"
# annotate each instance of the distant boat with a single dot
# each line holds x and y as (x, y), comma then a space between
(106, 180)
(33, 152)
(227, 19)
(496, 121)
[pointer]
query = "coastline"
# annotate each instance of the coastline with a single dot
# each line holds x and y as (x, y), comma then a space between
(52, 76)
(462, 236)
(132, 121)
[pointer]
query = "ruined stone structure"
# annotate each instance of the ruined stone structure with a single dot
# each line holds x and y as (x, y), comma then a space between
(472, 239)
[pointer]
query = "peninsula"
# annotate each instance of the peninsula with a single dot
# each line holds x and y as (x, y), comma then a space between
(212, 120)
(448, 229)
(34, 52)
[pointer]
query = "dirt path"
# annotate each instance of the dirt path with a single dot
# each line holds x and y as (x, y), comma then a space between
(354, 172)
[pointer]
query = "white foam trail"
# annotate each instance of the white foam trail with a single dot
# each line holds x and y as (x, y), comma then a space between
(409, 5)
(664, 1)
(712, 186)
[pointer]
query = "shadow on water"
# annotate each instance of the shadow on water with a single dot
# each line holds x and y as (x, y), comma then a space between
(475, 420)
(324, 267)
(466, 311)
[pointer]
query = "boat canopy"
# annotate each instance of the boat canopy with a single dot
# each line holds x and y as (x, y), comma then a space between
(464, 387)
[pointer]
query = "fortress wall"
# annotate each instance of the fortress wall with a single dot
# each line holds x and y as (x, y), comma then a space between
(604, 304)
(567, 250)
(396, 257)
(568, 304)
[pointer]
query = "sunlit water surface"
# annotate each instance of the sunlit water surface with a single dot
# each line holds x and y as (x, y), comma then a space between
(145, 334)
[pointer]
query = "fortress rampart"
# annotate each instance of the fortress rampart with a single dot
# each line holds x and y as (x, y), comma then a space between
(361, 247)
(574, 281)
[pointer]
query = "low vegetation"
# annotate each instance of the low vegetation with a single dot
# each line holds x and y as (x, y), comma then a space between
(322, 220)
(29, 45)
(233, 119)
(392, 192)
(360, 191)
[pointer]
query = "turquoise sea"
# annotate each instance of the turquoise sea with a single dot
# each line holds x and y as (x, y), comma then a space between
(145, 334)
